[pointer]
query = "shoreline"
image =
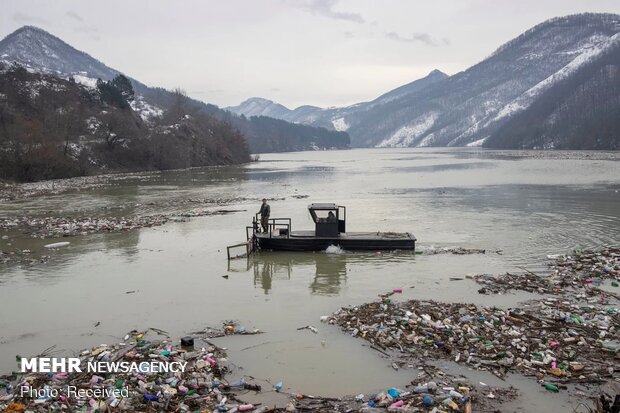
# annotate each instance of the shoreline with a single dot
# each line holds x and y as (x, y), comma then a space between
(12, 191)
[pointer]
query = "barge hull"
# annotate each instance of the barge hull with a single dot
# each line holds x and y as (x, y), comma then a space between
(350, 242)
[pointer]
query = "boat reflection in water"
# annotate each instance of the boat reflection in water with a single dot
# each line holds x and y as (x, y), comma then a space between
(328, 271)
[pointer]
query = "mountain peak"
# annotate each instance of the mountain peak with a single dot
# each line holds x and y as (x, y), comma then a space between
(436, 72)
(257, 99)
(433, 77)
(257, 106)
(33, 47)
(583, 24)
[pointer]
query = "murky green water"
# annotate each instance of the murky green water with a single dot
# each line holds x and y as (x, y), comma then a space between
(525, 206)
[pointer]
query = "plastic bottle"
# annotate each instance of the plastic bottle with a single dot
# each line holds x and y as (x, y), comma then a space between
(450, 403)
(393, 392)
(238, 384)
(454, 393)
(428, 400)
(551, 387)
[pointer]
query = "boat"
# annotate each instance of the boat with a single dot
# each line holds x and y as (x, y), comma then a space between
(329, 230)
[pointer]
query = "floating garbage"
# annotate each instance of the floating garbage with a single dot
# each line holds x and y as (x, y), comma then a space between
(199, 385)
(454, 251)
(311, 328)
(580, 274)
(57, 244)
(550, 338)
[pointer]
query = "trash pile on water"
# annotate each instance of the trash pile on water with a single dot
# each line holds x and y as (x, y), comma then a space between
(24, 257)
(55, 227)
(556, 341)
(454, 251)
(200, 386)
(12, 191)
(579, 275)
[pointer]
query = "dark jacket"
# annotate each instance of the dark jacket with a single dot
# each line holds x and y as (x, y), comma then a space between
(265, 210)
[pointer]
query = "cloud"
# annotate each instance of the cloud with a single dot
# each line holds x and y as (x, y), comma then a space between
(415, 38)
(86, 29)
(348, 35)
(91, 31)
(22, 18)
(73, 15)
(325, 8)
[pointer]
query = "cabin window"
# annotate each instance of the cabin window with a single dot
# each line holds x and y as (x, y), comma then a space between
(324, 216)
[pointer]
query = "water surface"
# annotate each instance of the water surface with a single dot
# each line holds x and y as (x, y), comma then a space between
(524, 207)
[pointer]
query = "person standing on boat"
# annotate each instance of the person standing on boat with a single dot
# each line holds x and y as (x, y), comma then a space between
(264, 212)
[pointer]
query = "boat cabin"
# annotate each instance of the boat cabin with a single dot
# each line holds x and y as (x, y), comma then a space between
(329, 219)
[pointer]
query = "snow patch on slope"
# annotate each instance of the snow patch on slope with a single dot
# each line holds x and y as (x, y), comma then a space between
(478, 143)
(340, 124)
(83, 79)
(144, 109)
(405, 136)
(587, 54)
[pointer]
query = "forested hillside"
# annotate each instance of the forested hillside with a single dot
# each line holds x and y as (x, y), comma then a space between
(580, 112)
(39, 51)
(54, 128)
(267, 134)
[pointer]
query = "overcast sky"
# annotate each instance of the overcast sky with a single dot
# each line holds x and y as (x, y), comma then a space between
(320, 52)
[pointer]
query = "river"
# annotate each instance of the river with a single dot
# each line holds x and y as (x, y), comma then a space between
(519, 206)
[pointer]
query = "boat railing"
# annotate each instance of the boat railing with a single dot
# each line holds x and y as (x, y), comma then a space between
(281, 223)
(284, 223)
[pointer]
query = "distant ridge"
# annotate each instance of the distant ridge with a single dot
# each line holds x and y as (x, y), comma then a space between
(469, 107)
(40, 51)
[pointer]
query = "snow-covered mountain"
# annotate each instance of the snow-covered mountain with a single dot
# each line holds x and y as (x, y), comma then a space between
(331, 118)
(260, 107)
(41, 52)
(580, 111)
(468, 107)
